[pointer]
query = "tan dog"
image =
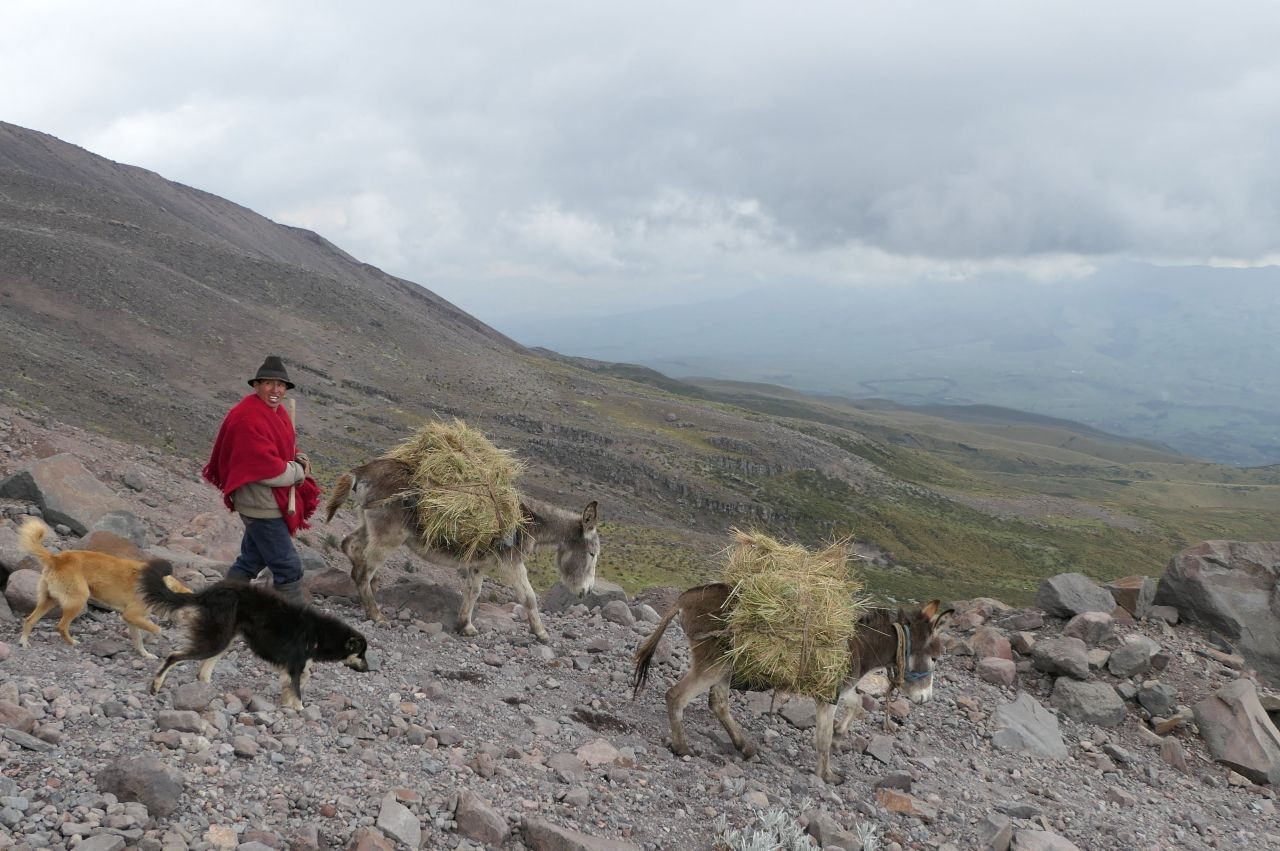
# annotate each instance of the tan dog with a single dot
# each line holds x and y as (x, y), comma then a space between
(73, 578)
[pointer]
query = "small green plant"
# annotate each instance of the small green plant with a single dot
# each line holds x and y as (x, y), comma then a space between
(775, 830)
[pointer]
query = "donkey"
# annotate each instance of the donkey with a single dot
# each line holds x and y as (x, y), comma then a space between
(907, 642)
(384, 503)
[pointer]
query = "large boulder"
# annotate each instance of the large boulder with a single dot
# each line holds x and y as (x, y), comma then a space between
(146, 780)
(560, 597)
(65, 491)
(1134, 594)
(1064, 655)
(1069, 594)
(1024, 726)
(429, 601)
(1230, 587)
(20, 592)
(1089, 703)
(1239, 732)
(126, 524)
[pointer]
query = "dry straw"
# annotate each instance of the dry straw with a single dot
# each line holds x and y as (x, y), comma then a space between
(463, 488)
(792, 614)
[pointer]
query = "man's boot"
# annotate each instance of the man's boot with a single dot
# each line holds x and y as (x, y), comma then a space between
(292, 591)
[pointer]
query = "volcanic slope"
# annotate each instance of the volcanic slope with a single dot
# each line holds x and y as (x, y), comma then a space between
(136, 307)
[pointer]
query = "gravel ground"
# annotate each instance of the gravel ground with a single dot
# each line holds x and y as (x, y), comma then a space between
(477, 742)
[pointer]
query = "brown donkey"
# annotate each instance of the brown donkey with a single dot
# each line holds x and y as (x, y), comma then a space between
(907, 642)
(383, 493)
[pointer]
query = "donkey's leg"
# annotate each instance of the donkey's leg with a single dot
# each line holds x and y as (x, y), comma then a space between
(719, 701)
(826, 714)
(693, 683)
(517, 576)
(852, 703)
(472, 583)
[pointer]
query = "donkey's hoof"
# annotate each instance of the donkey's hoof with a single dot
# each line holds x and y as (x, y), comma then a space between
(681, 750)
(834, 778)
(468, 629)
(748, 750)
(543, 637)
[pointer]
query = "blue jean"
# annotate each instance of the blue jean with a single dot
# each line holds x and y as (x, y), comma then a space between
(266, 543)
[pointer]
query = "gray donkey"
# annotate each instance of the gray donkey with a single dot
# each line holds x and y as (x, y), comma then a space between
(383, 491)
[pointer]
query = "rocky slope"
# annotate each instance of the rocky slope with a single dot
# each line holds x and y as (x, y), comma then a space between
(499, 742)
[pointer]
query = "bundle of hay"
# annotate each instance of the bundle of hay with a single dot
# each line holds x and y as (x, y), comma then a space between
(463, 488)
(793, 613)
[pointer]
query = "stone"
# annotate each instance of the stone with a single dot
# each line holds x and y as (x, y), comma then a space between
(1092, 628)
(1024, 726)
(1157, 698)
(1172, 752)
(102, 842)
(602, 592)
(823, 827)
(1134, 594)
(331, 583)
(1132, 657)
(396, 821)
(427, 601)
(25, 740)
(182, 720)
(478, 820)
(369, 839)
(1168, 614)
(194, 696)
(146, 780)
(894, 801)
(1227, 586)
(1023, 643)
(1062, 656)
(1089, 703)
(617, 611)
(16, 717)
(995, 832)
(1023, 621)
(1069, 594)
(988, 642)
(1239, 732)
(997, 671)
(567, 767)
(542, 835)
(65, 491)
(801, 714)
(20, 592)
(1042, 840)
(123, 524)
(881, 748)
(598, 752)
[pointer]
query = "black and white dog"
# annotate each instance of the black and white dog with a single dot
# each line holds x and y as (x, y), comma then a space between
(286, 635)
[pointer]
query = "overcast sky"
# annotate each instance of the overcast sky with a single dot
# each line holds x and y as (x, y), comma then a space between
(595, 156)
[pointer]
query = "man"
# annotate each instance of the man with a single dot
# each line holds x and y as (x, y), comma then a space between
(256, 464)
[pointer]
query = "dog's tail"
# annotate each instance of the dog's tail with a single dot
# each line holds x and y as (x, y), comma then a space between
(154, 584)
(341, 490)
(644, 653)
(31, 535)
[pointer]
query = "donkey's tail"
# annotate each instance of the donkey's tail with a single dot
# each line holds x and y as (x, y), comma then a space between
(341, 490)
(644, 653)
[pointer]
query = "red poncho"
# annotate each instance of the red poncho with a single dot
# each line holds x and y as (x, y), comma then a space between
(256, 443)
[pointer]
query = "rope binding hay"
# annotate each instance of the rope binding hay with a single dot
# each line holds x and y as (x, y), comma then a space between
(463, 488)
(792, 614)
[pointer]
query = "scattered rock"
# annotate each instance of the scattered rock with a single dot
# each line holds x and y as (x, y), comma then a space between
(1069, 594)
(1024, 726)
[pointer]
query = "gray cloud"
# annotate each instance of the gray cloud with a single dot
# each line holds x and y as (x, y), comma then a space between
(622, 155)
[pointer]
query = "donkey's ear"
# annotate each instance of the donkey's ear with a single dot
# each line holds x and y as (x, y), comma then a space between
(589, 516)
(937, 619)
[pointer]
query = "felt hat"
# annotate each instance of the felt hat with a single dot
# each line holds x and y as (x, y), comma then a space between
(272, 367)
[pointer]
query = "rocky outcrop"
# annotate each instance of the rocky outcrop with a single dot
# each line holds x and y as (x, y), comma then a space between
(1239, 733)
(65, 491)
(1069, 594)
(1230, 587)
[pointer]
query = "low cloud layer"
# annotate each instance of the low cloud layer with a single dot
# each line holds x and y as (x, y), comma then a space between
(541, 157)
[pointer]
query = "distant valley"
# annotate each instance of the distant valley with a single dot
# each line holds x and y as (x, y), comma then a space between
(1182, 356)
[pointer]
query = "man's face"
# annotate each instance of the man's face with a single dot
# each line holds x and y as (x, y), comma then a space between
(270, 391)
